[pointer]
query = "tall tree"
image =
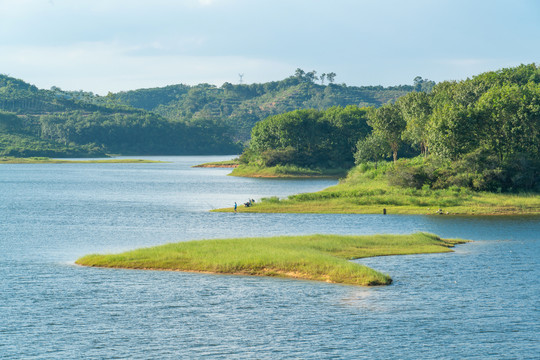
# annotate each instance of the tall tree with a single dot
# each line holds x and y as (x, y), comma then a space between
(311, 76)
(299, 73)
(416, 110)
(331, 77)
(371, 148)
(388, 123)
(510, 119)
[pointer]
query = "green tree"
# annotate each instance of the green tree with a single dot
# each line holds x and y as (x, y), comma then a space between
(510, 119)
(452, 131)
(349, 125)
(371, 148)
(331, 77)
(388, 123)
(416, 110)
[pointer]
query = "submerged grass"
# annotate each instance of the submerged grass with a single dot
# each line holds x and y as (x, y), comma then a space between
(365, 190)
(46, 160)
(311, 257)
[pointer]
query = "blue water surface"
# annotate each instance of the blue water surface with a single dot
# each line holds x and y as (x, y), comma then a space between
(480, 302)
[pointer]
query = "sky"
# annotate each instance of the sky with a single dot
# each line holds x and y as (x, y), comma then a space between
(118, 45)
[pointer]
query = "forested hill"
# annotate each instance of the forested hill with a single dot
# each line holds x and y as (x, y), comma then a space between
(176, 119)
(241, 106)
(36, 122)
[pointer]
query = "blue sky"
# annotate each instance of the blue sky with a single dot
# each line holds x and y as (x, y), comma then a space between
(114, 45)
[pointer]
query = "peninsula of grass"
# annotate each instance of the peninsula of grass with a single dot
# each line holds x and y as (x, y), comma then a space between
(309, 257)
(286, 171)
(220, 164)
(366, 190)
(46, 160)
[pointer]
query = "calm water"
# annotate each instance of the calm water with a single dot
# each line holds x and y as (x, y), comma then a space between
(481, 302)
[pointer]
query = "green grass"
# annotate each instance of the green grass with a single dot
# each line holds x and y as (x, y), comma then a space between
(311, 257)
(46, 160)
(286, 171)
(365, 190)
(224, 164)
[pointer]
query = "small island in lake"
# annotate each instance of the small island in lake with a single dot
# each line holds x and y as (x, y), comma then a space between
(310, 257)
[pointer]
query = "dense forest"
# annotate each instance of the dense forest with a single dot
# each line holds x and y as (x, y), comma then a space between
(176, 119)
(481, 133)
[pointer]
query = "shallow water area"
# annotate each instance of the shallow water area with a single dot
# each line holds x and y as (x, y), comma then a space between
(479, 302)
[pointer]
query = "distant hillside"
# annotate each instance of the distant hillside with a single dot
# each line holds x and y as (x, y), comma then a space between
(36, 122)
(241, 106)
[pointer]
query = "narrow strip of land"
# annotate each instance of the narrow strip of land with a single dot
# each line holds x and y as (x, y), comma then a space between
(46, 160)
(370, 193)
(310, 257)
(219, 164)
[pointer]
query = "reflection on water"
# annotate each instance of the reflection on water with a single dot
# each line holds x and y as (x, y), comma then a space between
(479, 302)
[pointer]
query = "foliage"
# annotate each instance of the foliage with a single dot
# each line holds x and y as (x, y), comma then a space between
(479, 170)
(416, 111)
(371, 148)
(308, 138)
(388, 124)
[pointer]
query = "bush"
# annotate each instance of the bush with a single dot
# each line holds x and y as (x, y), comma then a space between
(284, 156)
(480, 170)
(408, 176)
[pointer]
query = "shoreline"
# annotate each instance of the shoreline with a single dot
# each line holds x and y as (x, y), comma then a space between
(46, 160)
(262, 208)
(216, 166)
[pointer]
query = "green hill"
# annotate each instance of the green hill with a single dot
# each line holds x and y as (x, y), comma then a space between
(36, 122)
(241, 106)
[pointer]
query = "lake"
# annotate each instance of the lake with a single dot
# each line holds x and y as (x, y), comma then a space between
(480, 302)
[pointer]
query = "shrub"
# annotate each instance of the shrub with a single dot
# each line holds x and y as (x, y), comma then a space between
(408, 176)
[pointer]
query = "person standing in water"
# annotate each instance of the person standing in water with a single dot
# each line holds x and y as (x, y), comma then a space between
(235, 206)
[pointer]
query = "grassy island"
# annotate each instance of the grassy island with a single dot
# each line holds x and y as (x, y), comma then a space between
(310, 257)
(46, 160)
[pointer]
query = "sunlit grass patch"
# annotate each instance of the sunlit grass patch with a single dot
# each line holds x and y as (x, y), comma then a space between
(311, 257)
